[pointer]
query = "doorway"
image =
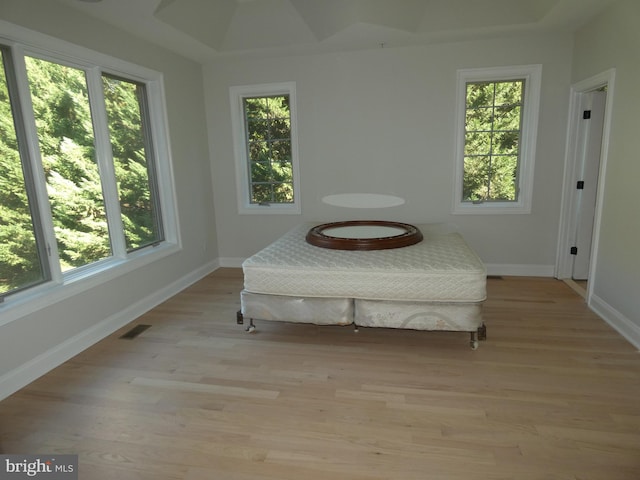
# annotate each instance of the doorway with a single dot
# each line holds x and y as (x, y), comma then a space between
(587, 170)
(585, 166)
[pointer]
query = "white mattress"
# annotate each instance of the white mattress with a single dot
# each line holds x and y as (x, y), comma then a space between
(441, 268)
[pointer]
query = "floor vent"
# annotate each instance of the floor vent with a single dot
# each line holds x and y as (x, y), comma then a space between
(135, 331)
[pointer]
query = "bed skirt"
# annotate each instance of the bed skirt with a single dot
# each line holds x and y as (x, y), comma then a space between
(319, 311)
(460, 317)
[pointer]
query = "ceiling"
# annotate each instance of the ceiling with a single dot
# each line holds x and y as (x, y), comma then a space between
(204, 29)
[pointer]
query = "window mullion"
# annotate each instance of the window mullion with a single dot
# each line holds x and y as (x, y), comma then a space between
(104, 159)
(37, 183)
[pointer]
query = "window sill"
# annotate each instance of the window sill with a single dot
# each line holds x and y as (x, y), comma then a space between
(37, 298)
(273, 209)
(491, 209)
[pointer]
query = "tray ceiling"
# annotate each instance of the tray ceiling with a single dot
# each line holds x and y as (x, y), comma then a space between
(203, 29)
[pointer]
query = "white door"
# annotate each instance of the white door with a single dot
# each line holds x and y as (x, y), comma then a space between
(587, 179)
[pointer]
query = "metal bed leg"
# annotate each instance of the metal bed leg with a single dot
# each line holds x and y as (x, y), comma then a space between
(474, 340)
(251, 328)
(240, 320)
(482, 332)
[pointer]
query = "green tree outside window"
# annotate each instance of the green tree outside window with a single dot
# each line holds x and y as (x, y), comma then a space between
(268, 126)
(82, 219)
(493, 119)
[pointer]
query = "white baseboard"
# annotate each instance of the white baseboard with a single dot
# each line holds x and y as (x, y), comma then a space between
(26, 373)
(230, 262)
(623, 325)
(513, 270)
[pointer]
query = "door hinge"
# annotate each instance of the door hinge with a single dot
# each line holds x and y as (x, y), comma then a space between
(580, 185)
(586, 115)
(574, 250)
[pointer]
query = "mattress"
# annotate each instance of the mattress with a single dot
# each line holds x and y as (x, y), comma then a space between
(441, 268)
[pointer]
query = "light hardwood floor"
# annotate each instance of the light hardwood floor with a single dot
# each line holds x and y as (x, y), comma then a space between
(554, 393)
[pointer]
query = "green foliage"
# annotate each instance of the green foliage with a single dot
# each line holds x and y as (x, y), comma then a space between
(19, 260)
(64, 126)
(130, 161)
(269, 148)
(65, 132)
(492, 140)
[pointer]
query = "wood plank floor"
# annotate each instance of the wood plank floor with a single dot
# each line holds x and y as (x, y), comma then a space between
(554, 393)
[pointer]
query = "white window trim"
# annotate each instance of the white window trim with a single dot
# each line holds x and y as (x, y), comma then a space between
(236, 95)
(65, 285)
(532, 75)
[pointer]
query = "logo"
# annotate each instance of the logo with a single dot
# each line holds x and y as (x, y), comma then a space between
(49, 467)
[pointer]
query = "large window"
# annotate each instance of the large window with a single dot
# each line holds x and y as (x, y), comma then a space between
(80, 168)
(22, 248)
(264, 123)
(133, 161)
(497, 123)
(62, 112)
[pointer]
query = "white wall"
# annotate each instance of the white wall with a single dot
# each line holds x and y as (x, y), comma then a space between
(613, 41)
(33, 344)
(382, 121)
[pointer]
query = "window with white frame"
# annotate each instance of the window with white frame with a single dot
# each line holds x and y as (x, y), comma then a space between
(265, 146)
(85, 176)
(496, 125)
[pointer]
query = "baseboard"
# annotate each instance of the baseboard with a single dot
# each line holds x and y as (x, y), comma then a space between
(514, 270)
(623, 325)
(230, 262)
(575, 287)
(26, 373)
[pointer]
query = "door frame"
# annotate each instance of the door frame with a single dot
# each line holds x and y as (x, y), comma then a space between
(569, 204)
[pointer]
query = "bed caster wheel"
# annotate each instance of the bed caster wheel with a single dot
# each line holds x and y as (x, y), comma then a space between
(474, 341)
(251, 328)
